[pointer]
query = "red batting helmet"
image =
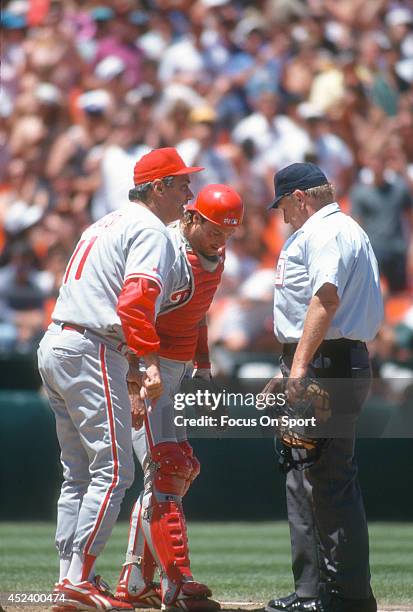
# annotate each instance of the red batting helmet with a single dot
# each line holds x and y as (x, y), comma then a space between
(219, 204)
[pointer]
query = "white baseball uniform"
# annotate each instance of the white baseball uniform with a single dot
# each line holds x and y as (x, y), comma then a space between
(178, 292)
(178, 289)
(188, 292)
(84, 371)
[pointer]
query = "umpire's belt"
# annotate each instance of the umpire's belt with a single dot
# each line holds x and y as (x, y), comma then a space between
(341, 345)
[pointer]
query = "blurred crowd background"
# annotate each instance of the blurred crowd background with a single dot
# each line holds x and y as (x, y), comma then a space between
(242, 88)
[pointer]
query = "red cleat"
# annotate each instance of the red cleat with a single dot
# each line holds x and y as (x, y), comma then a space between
(148, 597)
(85, 596)
(192, 597)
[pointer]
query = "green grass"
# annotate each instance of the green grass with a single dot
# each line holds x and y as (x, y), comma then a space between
(241, 561)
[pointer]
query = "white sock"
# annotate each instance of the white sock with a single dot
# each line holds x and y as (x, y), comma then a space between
(64, 564)
(75, 571)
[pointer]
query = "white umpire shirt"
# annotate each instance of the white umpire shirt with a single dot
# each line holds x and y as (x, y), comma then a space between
(329, 248)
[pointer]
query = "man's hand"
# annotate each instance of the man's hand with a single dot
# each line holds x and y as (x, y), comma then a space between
(150, 382)
(138, 408)
(134, 375)
(304, 389)
(134, 381)
(295, 389)
(152, 388)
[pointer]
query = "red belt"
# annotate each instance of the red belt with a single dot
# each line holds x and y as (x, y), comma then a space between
(82, 330)
(74, 327)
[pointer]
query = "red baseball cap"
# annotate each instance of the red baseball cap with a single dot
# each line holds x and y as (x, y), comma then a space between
(160, 163)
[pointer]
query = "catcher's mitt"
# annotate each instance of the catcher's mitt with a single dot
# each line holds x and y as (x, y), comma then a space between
(314, 401)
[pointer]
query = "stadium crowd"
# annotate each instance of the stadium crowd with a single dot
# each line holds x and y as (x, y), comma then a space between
(240, 87)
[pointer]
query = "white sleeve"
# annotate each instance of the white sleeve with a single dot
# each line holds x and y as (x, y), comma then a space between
(329, 261)
(150, 256)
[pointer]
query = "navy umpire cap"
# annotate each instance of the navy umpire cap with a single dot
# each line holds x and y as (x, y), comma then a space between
(296, 176)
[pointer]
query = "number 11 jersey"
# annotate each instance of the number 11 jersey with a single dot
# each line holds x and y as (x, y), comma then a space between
(127, 243)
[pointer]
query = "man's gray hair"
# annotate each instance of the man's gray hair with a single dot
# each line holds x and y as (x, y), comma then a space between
(141, 191)
(324, 194)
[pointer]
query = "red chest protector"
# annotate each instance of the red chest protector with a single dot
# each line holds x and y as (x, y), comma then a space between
(178, 329)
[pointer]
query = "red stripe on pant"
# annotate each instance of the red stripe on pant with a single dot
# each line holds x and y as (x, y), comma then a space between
(115, 479)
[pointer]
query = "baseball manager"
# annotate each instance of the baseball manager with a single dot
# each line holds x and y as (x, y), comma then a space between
(104, 320)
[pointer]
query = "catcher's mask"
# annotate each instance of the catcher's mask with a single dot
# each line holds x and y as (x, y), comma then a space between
(295, 448)
(287, 461)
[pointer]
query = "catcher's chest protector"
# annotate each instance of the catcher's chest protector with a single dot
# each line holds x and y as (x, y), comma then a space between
(178, 329)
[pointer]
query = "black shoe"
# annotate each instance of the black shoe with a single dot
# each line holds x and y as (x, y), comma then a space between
(344, 604)
(293, 603)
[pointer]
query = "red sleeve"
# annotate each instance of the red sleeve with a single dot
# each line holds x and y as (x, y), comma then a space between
(201, 359)
(136, 310)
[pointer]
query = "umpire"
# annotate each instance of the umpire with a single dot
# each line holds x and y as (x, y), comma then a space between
(327, 305)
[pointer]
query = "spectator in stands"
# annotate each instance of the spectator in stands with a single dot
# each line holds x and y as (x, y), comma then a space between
(23, 290)
(382, 204)
(201, 148)
(244, 324)
(331, 153)
(125, 146)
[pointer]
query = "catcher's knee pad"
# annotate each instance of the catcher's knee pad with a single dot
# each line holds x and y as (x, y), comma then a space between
(196, 466)
(173, 468)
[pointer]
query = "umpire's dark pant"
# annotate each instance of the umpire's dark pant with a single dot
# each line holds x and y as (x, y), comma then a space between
(328, 528)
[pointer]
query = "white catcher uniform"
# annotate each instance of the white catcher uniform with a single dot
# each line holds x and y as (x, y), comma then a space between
(84, 372)
(162, 449)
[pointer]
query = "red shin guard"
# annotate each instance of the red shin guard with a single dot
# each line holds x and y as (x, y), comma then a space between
(170, 541)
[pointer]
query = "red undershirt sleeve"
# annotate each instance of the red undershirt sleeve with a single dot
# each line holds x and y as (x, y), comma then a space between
(136, 310)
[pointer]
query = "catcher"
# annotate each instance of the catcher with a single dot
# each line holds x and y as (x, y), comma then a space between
(157, 537)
